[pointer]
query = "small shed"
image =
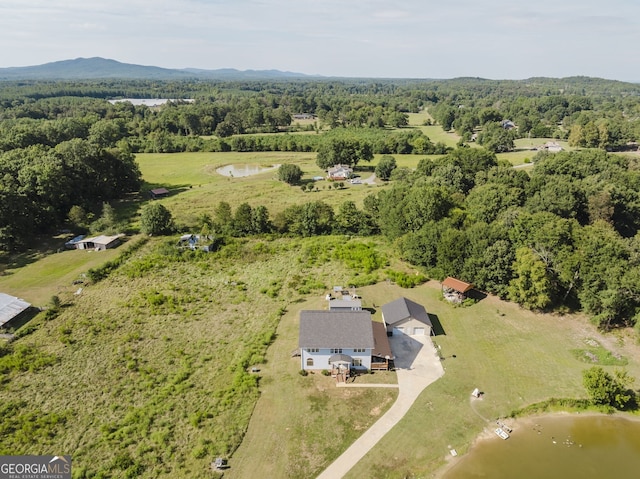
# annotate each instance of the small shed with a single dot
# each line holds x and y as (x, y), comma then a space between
(455, 290)
(159, 193)
(11, 307)
(100, 243)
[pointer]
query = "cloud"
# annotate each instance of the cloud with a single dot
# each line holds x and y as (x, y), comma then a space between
(493, 38)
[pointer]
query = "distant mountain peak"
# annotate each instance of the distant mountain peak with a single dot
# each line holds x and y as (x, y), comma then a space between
(106, 68)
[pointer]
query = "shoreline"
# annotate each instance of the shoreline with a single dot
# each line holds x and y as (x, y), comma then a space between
(517, 423)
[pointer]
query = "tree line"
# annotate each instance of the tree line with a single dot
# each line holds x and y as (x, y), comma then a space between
(564, 237)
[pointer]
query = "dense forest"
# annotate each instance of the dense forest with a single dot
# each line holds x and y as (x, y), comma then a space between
(563, 236)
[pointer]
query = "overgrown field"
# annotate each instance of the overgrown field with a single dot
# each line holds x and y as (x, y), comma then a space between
(147, 372)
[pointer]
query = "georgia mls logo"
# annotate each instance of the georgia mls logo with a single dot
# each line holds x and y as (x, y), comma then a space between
(35, 467)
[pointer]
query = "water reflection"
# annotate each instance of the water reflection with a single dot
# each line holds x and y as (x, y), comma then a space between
(562, 447)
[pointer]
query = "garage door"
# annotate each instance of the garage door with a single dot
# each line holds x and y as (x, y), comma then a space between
(398, 331)
(418, 331)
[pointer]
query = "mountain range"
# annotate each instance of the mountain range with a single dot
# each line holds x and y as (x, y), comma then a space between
(100, 68)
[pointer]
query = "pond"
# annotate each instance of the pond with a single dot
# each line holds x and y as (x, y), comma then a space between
(236, 171)
(558, 446)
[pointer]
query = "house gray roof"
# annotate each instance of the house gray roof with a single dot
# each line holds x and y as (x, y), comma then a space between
(402, 309)
(10, 307)
(335, 329)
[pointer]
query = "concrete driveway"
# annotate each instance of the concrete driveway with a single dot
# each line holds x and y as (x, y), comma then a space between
(417, 365)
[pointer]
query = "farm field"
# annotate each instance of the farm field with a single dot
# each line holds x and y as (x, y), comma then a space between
(149, 369)
(197, 188)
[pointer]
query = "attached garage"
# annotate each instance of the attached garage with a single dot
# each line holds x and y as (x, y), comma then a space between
(418, 331)
(397, 331)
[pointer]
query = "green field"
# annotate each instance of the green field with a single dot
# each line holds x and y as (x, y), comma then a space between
(146, 373)
(197, 188)
(53, 274)
(516, 357)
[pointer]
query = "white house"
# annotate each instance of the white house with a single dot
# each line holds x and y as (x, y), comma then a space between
(340, 172)
(404, 316)
(552, 147)
(335, 339)
(99, 243)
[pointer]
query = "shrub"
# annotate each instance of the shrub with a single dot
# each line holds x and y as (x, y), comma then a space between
(361, 256)
(606, 389)
(405, 280)
(360, 280)
(155, 219)
(289, 173)
(100, 273)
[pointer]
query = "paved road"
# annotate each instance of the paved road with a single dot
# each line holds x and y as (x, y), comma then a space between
(417, 366)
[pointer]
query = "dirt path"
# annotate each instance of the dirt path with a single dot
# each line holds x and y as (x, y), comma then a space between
(417, 366)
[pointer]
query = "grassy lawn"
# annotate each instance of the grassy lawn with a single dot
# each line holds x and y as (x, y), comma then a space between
(516, 357)
(146, 373)
(525, 149)
(52, 274)
(437, 134)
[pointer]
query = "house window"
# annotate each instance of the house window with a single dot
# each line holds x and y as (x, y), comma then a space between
(309, 362)
(336, 351)
(357, 362)
(313, 350)
(358, 350)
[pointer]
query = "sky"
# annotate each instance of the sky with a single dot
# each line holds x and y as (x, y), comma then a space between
(497, 39)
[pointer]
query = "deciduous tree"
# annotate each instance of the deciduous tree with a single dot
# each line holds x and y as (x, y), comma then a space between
(155, 219)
